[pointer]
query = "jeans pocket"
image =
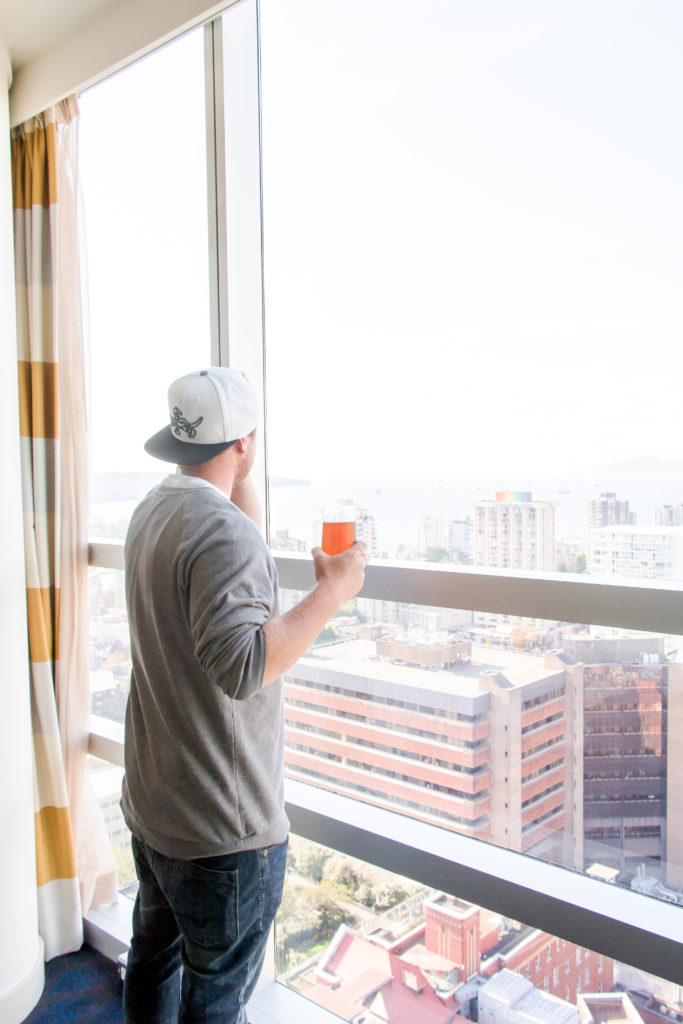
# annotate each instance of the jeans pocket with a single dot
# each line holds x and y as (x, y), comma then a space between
(205, 902)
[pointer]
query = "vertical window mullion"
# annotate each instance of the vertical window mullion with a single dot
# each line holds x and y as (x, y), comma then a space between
(237, 116)
(216, 192)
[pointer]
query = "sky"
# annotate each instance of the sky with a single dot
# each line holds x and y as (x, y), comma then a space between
(472, 225)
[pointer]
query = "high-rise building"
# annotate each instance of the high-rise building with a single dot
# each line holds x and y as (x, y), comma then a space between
(431, 532)
(608, 510)
(669, 515)
(515, 532)
(645, 552)
(674, 776)
(625, 747)
(459, 540)
(488, 747)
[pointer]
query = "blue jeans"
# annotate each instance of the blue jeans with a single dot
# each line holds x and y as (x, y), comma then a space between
(200, 929)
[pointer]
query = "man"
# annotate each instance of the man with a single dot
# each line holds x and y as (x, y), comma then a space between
(203, 789)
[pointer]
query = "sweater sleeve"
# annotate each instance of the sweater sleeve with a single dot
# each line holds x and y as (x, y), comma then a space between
(228, 579)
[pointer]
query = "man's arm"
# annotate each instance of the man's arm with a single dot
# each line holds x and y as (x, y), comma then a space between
(339, 578)
(245, 497)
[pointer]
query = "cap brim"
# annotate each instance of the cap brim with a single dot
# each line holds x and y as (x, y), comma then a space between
(166, 446)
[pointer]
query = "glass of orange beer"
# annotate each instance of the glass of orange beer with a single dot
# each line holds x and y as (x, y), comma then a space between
(339, 532)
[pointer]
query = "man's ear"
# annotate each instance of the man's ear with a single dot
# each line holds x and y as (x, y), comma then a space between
(241, 445)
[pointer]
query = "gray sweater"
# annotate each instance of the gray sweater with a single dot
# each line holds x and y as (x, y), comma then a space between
(203, 747)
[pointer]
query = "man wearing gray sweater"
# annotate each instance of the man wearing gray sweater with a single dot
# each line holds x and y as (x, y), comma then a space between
(203, 786)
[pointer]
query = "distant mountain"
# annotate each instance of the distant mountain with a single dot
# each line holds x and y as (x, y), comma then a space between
(635, 468)
(121, 486)
(285, 481)
(105, 487)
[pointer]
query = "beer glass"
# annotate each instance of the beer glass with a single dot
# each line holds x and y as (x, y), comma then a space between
(339, 531)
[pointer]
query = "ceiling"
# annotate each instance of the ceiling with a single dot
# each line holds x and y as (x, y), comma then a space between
(29, 27)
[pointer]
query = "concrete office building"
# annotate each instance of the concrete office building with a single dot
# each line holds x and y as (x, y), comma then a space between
(489, 747)
(626, 680)
(674, 777)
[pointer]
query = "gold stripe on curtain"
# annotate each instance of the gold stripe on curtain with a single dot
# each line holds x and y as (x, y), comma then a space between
(35, 163)
(55, 853)
(43, 612)
(38, 399)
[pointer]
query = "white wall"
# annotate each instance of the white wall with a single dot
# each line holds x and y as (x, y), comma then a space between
(21, 949)
(112, 40)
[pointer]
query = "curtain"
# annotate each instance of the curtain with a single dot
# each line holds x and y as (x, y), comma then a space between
(54, 458)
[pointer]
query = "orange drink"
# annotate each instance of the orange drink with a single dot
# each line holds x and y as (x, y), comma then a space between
(338, 536)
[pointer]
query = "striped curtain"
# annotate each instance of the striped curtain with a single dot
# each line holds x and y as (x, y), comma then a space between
(54, 456)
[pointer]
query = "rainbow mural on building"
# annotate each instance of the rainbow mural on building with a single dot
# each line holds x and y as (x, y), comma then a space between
(513, 496)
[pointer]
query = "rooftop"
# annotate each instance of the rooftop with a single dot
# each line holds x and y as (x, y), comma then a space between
(358, 657)
(529, 1004)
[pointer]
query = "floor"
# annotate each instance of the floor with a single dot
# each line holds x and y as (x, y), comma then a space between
(80, 988)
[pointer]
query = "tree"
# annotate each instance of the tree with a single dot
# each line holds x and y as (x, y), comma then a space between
(340, 871)
(389, 895)
(330, 913)
(326, 637)
(436, 554)
(580, 564)
(310, 861)
(366, 895)
(125, 867)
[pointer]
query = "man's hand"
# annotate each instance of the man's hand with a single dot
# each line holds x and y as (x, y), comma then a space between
(339, 578)
(343, 573)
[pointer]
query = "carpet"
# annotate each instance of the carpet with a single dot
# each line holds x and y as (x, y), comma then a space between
(80, 988)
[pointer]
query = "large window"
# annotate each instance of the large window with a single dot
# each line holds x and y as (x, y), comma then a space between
(472, 214)
(143, 160)
(466, 270)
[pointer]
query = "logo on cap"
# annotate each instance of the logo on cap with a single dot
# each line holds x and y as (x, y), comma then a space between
(180, 425)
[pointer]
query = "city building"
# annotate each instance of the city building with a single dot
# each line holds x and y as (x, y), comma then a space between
(459, 540)
(360, 980)
(644, 552)
(449, 960)
(674, 776)
(412, 617)
(607, 1008)
(513, 532)
(508, 998)
(669, 515)
(608, 510)
(551, 965)
(625, 747)
(486, 743)
(431, 533)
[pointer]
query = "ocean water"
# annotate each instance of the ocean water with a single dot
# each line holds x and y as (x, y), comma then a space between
(398, 507)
